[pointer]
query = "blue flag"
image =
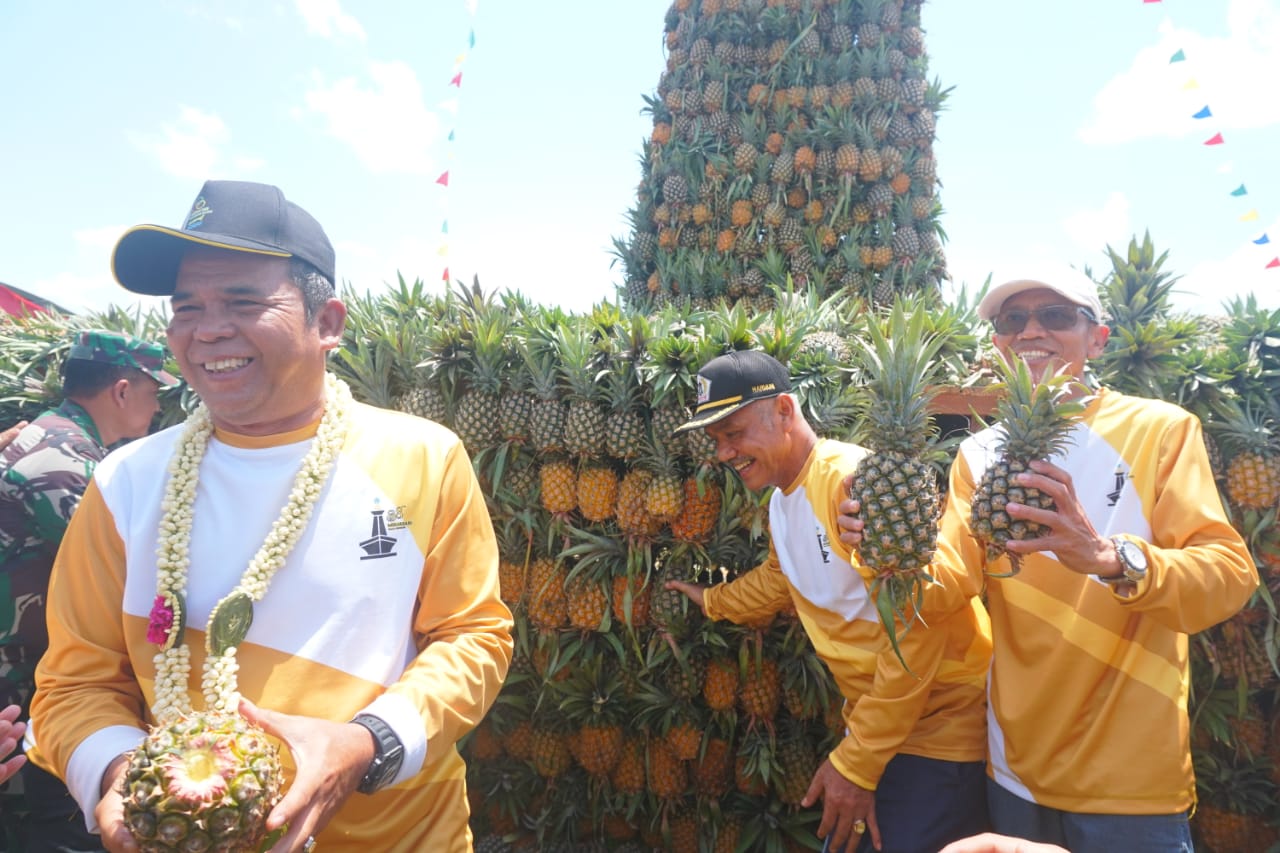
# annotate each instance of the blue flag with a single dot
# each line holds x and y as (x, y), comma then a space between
(1204, 112)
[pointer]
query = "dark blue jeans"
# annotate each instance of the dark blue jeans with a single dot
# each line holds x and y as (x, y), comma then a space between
(1087, 833)
(923, 804)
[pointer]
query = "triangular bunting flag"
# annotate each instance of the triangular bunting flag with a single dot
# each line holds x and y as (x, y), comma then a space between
(457, 80)
(1275, 262)
(1263, 240)
(471, 39)
(443, 250)
(1251, 216)
(458, 60)
(1203, 113)
(1191, 84)
(445, 277)
(444, 227)
(1178, 57)
(1240, 190)
(451, 135)
(443, 180)
(1150, 1)
(1216, 139)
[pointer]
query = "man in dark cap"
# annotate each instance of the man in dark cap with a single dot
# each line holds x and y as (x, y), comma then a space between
(109, 385)
(373, 635)
(908, 774)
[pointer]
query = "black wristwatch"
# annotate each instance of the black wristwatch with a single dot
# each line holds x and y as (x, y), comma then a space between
(1133, 561)
(387, 756)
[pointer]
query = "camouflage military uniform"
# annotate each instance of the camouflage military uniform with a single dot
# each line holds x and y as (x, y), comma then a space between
(42, 477)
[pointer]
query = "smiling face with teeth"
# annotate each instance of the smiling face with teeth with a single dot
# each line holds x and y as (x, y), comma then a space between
(1045, 350)
(240, 334)
(766, 442)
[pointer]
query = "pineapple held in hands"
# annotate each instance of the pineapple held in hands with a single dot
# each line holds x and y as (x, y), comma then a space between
(1037, 419)
(203, 782)
(896, 489)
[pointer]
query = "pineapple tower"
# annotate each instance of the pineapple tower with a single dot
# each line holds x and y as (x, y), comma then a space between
(791, 138)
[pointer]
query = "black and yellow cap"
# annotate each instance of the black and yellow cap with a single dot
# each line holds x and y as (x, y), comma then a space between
(240, 216)
(729, 382)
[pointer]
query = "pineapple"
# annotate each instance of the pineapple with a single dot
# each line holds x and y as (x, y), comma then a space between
(1250, 432)
(547, 414)
(477, 415)
(1037, 420)
(548, 604)
(584, 426)
(701, 508)
(591, 702)
(202, 782)
(896, 489)
(597, 492)
(559, 487)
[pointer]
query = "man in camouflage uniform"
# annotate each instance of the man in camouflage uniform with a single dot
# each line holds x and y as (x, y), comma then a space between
(110, 383)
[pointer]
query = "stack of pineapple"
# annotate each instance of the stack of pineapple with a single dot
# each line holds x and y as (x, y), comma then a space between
(627, 718)
(790, 137)
(1227, 370)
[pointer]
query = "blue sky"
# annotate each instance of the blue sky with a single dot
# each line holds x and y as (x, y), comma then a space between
(1068, 129)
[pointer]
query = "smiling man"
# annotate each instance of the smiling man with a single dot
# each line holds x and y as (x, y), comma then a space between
(375, 637)
(1087, 724)
(907, 777)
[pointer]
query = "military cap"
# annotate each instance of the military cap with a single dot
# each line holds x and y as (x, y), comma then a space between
(106, 347)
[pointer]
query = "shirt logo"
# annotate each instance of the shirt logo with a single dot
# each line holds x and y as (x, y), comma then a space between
(824, 546)
(1113, 496)
(380, 544)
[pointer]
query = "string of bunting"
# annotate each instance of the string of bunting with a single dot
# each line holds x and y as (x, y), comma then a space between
(1206, 112)
(450, 106)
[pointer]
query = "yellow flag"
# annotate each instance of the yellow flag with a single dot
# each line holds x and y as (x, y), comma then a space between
(1191, 84)
(1250, 216)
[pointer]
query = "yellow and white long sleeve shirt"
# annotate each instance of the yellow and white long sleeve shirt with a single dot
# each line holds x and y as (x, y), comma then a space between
(935, 710)
(388, 604)
(1088, 690)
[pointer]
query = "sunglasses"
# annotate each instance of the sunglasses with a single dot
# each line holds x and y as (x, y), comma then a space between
(1054, 318)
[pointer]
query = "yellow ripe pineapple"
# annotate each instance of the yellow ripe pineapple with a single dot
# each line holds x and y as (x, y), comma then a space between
(628, 776)
(701, 509)
(720, 685)
(597, 492)
(591, 702)
(667, 775)
(633, 518)
(1036, 419)
(559, 487)
(548, 605)
(1249, 433)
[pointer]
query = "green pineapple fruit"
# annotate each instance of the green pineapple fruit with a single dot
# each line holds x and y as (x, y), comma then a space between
(203, 782)
(1037, 420)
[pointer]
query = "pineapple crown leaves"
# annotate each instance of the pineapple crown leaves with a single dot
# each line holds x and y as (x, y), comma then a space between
(1254, 331)
(672, 366)
(1037, 417)
(1246, 425)
(1137, 291)
(901, 370)
(582, 362)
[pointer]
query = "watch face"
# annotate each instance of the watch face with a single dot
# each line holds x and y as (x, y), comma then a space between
(1131, 555)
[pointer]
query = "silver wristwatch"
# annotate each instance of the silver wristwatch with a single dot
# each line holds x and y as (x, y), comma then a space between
(1133, 562)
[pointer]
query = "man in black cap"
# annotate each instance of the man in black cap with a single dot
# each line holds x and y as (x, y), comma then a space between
(908, 775)
(371, 634)
(109, 385)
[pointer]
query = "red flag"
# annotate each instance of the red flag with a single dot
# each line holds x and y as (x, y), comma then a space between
(1216, 139)
(1275, 262)
(443, 180)
(457, 80)
(1150, 1)
(445, 277)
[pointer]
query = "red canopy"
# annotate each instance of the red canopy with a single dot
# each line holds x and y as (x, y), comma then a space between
(17, 304)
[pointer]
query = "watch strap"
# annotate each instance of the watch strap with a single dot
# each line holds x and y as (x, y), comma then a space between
(387, 756)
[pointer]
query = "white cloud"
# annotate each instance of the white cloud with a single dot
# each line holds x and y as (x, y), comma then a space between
(188, 147)
(1089, 229)
(386, 124)
(1157, 98)
(326, 19)
(86, 293)
(98, 240)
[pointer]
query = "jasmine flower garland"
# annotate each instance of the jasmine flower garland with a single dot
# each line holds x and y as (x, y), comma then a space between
(230, 618)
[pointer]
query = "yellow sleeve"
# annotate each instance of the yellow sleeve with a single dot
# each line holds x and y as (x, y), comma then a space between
(462, 626)
(756, 595)
(1199, 569)
(85, 682)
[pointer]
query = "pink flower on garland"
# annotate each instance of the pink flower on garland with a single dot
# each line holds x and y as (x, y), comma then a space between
(161, 620)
